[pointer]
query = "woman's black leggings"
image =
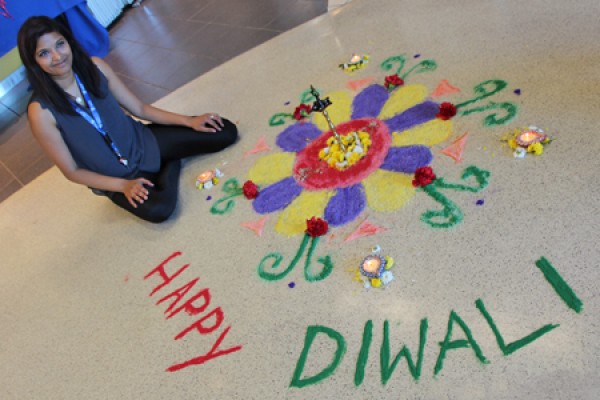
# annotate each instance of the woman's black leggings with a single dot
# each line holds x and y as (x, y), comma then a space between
(175, 143)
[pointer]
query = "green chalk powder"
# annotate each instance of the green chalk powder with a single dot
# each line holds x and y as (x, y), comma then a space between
(484, 90)
(269, 274)
(448, 344)
(451, 215)
(517, 344)
(492, 119)
(363, 355)
(387, 369)
(560, 286)
(423, 66)
(311, 333)
(400, 60)
(280, 118)
(225, 204)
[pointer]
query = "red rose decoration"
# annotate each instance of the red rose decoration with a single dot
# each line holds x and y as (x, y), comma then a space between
(391, 81)
(423, 177)
(250, 190)
(316, 227)
(302, 111)
(447, 111)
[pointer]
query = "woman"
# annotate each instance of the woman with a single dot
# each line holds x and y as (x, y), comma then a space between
(76, 114)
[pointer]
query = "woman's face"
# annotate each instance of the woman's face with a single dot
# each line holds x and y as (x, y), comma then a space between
(53, 54)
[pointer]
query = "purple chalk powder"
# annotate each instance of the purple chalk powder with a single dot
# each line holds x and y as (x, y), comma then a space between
(479, 202)
(291, 285)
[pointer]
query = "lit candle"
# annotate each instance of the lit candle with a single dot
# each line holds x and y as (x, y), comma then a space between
(372, 266)
(205, 177)
(530, 137)
(355, 58)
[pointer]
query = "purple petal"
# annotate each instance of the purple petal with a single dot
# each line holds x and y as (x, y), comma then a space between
(413, 116)
(346, 205)
(369, 102)
(295, 137)
(277, 196)
(407, 159)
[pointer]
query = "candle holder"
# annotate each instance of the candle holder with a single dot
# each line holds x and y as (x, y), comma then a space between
(208, 179)
(356, 62)
(374, 269)
(527, 140)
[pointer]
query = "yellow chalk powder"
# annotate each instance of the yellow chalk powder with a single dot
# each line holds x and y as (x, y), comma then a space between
(339, 111)
(292, 220)
(427, 134)
(272, 168)
(402, 99)
(388, 191)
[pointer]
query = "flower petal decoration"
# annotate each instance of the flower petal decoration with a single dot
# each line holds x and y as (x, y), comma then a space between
(407, 159)
(397, 130)
(402, 99)
(277, 196)
(340, 111)
(428, 134)
(316, 227)
(388, 191)
(272, 168)
(292, 220)
(416, 115)
(296, 137)
(370, 102)
(322, 177)
(346, 205)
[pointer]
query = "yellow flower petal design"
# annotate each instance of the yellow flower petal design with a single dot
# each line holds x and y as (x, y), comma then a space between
(339, 110)
(428, 134)
(292, 220)
(387, 190)
(402, 99)
(272, 168)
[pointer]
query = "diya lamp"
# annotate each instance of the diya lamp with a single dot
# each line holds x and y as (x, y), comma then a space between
(375, 269)
(320, 105)
(530, 136)
(528, 140)
(208, 179)
(356, 62)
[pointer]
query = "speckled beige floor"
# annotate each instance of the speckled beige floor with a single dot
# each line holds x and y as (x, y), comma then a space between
(78, 320)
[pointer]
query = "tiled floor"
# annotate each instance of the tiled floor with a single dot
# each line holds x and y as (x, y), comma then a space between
(155, 48)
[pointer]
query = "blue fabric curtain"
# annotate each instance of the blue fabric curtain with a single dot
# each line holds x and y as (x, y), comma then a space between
(92, 35)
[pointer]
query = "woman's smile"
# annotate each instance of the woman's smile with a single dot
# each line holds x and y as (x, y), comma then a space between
(53, 54)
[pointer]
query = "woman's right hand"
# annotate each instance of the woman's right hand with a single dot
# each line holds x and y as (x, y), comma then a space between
(135, 191)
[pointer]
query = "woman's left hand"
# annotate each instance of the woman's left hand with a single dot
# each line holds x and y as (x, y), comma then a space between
(210, 122)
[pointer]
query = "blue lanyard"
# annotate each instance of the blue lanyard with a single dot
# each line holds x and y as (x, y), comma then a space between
(96, 121)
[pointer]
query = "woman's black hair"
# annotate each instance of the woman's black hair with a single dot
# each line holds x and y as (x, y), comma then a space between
(42, 84)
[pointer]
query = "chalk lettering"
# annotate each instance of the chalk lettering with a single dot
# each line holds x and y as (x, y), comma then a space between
(517, 344)
(448, 344)
(179, 294)
(163, 274)
(387, 369)
(311, 333)
(205, 325)
(212, 353)
(199, 325)
(363, 355)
